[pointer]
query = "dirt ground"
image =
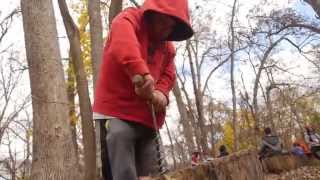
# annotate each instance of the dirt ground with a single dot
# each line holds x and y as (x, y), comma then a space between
(303, 173)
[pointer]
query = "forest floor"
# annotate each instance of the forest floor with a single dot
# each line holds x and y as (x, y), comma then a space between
(302, 173)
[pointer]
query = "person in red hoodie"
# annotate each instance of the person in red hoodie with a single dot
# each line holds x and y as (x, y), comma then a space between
(139, 45)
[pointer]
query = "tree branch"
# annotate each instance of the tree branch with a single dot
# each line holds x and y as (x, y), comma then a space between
(297, 25)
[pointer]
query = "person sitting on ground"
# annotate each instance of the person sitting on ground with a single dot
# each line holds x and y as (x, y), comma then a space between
(270, 146)
(313, 140)
(297, 150)
(304, 146)
(223, 151)
(195, 159)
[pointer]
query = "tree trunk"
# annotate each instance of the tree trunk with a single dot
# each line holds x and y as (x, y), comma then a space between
(53, 152)
(27, 162)
(72, 107)
(257, 81)
(212, 133)
(234, 98)
(115, 8)
(269, 107)
(199, 103)
(191, 115)
(184, 119)
(172, 147)
(94, 11)
(82, 88)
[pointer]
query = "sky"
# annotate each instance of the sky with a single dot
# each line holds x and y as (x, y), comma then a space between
(218, 8)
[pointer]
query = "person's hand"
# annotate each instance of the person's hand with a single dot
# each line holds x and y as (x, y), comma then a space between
(144, 86)
(159, 101)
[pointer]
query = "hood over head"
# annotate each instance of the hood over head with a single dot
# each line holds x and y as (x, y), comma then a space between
(178, 9)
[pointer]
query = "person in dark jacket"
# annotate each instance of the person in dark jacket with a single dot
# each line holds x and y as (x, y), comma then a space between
(138, 47)
(270, 146)
(223, 151)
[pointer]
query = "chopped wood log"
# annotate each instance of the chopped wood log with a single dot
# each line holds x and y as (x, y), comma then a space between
(243, 165)
(238, 166)
(286, 162)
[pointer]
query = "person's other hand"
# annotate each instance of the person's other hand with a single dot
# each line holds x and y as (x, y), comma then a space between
(159, 101)
(144, 86)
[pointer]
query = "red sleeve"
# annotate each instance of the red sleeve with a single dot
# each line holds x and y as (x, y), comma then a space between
(167, 78)
(124, 47)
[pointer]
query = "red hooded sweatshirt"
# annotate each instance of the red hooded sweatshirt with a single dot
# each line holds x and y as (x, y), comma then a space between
(126, 54)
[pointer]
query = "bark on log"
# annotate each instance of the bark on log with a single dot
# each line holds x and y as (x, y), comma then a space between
(243, 165)
(239, 166)
(282, 163)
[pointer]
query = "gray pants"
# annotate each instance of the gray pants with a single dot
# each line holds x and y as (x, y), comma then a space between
(132, 150)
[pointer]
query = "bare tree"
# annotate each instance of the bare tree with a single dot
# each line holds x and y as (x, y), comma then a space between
(184, 119)
(190, 112)
(202, 51)
(257, 79)
(71, 91)
(95, 36)
(172, 147)
(11, 73)
(196, 82)
(95, 22)
(6, 22)
(270, 32)
(83, 91)
(277, 28)
(115, 8)
(9, 81)
(16, 165)
(231, 45)
(53, 152)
